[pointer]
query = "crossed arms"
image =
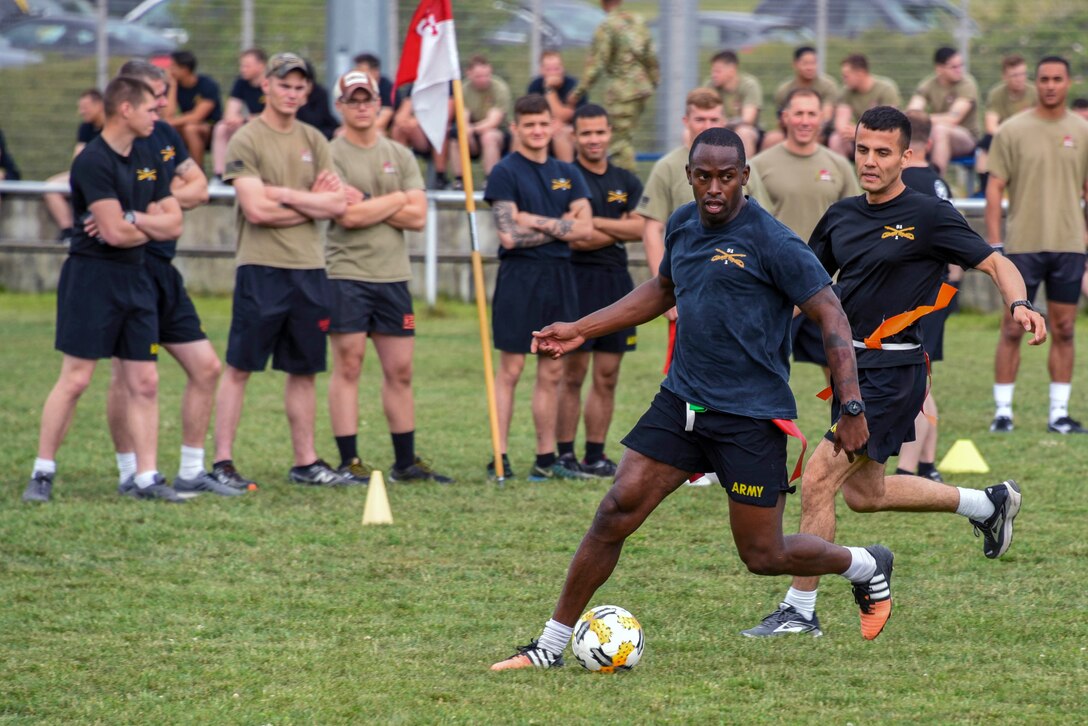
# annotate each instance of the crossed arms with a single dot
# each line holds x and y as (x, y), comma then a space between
(519, 230)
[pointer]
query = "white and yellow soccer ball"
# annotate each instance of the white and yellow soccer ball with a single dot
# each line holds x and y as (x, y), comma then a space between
(608, 639)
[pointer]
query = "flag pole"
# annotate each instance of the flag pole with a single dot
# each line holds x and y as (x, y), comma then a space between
(478, 277)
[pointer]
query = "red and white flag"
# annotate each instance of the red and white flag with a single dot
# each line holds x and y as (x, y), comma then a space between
(429, 61)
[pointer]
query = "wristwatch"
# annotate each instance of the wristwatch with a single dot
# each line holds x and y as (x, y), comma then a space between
(130, 217)
(853, 408)
(1020, 304)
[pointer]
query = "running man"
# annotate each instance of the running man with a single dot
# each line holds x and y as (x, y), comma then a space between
(736, 274)
(889, 248)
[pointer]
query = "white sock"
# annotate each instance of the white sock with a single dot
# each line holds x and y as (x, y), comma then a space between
(1003, 399)
(803, 601)
(555, 637)
(862, 565)
(126, 465)
(146, 478)
(1059, 400)
(44, 466)
(974, 504)
(192, 462)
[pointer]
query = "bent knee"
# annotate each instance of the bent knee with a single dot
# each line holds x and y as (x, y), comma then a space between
(860, 501)
(763, 561)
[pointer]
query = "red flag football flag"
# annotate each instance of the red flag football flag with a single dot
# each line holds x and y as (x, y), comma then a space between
(429, 61)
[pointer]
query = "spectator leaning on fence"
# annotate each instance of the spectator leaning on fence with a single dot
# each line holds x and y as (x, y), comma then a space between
(195, 106)
(92, 117)
(245, 102)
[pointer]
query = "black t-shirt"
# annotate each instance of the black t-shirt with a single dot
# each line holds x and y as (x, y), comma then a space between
(569, 82)
(87, 131)
(167, 143)
(251, 96)
(204, 89)
(7, 161)
(316, 111)
(385, 91)
(735, 288)
(134, 181)
(890, 258)
(611, 195)
(926, 180)
(546, 189)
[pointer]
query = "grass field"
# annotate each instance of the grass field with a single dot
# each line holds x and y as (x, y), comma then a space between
(281, 608)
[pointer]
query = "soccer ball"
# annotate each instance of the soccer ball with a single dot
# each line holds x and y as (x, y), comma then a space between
(608, 639)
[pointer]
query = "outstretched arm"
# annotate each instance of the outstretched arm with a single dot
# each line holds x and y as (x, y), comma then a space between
(1011, 285)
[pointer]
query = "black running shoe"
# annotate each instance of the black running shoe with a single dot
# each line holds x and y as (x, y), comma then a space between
(784, 621)
(204, 482)
(1001, 425)
(225, 473)
(569, 462)
(356, 472)
(508, 473)
(603, 468)
(997, 530)
(317, 474)
(420, 471)
(1066, 425)
(874, 596)
(158, 490)
(530, 656)
(39, 488)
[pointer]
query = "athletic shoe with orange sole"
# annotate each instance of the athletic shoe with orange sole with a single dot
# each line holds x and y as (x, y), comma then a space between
(874, 597)
(530, 656)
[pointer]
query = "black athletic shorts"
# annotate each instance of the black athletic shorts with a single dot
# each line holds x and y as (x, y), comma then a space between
(371, 307)
(747, 454)
(599, 286)
(893, 399)
(282, 313)
(808, 341)
(529, 295)
(178, 321)
(932, 328)
(106, 309)
(1061, 271)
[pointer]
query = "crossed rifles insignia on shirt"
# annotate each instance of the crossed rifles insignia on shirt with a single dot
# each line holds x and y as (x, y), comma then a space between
(727, 257)
(146, 175)
(898, 231)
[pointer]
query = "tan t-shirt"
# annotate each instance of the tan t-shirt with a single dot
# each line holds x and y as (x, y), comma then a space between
(668, 189)
(940, 98)
(824, 85)
(1000, 101)
(748, 93)
(801, 188)
(291, 159)
(883, 92)
(376, 253)
(478, 103)
(1045, 165)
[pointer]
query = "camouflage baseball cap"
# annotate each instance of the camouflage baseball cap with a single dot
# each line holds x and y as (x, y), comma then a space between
(281, 64)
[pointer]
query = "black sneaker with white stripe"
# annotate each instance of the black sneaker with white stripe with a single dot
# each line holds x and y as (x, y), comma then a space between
(997, 530)
(785, 620)
(530, 656)
(318, 474)
(1001, 425)
(1066, 425)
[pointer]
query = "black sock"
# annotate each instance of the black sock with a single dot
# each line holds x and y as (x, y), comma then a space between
(594, 452)
(904, 472)
(545, 461)
(565, 447)
(348, 448)
(404, 449)
(223, 462)
(924, 467)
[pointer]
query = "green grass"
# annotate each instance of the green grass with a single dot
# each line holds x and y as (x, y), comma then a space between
(281, 608)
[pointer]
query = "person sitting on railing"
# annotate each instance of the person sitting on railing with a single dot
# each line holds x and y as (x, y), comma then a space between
(93, 116)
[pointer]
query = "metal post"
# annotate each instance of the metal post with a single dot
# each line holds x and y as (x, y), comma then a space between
(821, 34)
(393, 54)
(679, 58)
(534, 35)
(964, 31)
(102, 45)
(430, 253)
(247, 24)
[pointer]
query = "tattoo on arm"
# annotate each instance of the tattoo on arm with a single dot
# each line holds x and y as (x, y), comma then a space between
(557, 228)
(184, 167)
(504, 221)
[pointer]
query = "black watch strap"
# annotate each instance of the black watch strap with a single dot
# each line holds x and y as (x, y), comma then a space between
(1020, 304)
(852, 408)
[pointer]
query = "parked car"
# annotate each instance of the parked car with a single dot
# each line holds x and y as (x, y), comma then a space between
(741, 31)
(161, 17)
(563, 23)
(849, 18)
(16, 57)
(75, 36)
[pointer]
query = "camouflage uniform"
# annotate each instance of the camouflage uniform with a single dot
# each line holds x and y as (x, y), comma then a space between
(622, 58)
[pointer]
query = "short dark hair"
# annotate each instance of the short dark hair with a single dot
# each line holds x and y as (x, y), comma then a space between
(257, 53)
(798, 52)
(944, 54)
(1012, 61)
(143, 70)
(589, 110)
(719, 137)
(531, 104)
(857, 61)
(920, 125)
(1079, 103)
(726, 56)
(887, 118)
(801, 92)
(92, 93)
(1053, 59)
(478, 60)
(185, 59)
(369, 58)
(125, 90)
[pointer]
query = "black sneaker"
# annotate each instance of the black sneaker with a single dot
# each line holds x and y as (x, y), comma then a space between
(226, 474)
(530, 656)
(318, 474)
(158, 490)
(355, 472)
(874, 596)
(1001, 425)
(1066, 425)
(508, 473)
(603, 468)
(204, 482)
(39, 488)
(556, 471)
(569, 462)
(997, 530)
(420, 471)
(784, 621)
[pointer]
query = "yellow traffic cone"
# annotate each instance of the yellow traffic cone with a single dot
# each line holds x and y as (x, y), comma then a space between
(377, 502)
(964, 458)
